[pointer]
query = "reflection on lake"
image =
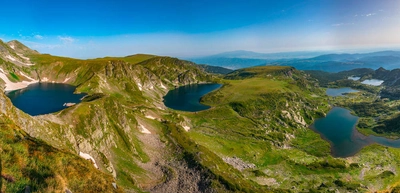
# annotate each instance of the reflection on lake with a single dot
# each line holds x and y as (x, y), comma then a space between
(338, 128)
(44, 98)
(339, 91)
(187, 98)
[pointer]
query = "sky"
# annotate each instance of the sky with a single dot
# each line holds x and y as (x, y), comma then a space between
(188, 28)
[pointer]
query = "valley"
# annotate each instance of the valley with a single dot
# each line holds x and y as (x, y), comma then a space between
(200, 96)
(254, 138)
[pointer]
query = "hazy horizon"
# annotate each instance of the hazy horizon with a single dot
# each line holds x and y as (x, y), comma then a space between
(178, 28)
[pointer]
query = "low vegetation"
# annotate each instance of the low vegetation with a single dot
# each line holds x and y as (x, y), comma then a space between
(31, 164)
(254, 138)
(377, 114)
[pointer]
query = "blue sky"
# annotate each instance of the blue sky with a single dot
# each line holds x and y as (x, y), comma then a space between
(184, 28)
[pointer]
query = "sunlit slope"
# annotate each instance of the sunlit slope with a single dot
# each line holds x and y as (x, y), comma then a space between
(119, 122)
(255, 138)
(125, 96)
(31, 164)
(259, 125)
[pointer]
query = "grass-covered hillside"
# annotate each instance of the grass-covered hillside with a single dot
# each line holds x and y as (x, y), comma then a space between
(112, 122)
(377, 106)
(259, 125)
(29, 164)
(254, 138)
(124, 102)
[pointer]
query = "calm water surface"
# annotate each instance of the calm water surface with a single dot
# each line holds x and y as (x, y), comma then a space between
(339, 91)
(187, 98)
(338, 128)
(44, 98)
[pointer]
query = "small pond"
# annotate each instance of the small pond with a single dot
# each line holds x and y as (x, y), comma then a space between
(339, 91)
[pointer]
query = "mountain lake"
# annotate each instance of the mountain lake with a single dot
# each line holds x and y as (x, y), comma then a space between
(339, 91)
(44, 98)
(338, 128)
(187, 98)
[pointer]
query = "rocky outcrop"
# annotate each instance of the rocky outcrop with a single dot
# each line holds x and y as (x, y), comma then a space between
(238, 163)
(294, 116)
(176, 72)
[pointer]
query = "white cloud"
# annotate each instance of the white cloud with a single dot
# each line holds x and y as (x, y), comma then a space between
(337, 24)
(341, 24)
(366, 15)
(66, 39)
(39, 37)
(260, 38)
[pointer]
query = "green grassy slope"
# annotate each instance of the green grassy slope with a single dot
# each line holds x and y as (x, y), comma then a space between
(378, 111)
(109, 127)
(247, 123)
(255, 138)
(28, 163)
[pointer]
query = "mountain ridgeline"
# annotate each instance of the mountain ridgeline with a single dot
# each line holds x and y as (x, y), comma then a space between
(322, 61)
(343, 62)
(257, 125)
(243, 59)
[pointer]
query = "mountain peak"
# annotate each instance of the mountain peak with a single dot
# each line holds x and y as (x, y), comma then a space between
(21, 48)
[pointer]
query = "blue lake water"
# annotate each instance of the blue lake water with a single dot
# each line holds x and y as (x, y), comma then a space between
(187, 98)
(373, 82)
(338, 128)
(339, 91)
(44, 98)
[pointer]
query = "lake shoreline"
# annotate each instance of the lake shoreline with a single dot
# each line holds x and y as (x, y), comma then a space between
(337, 92)
(44, 98)
(344, 142)
(187, 98)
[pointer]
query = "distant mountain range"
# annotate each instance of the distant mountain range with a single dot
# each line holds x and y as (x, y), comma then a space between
(304, 60)
(341, 62)
(267, 56)
(215, 69)
(242, 59)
